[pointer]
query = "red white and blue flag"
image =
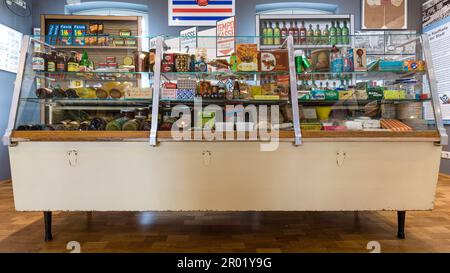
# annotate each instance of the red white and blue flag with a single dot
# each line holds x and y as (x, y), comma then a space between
(199, 12)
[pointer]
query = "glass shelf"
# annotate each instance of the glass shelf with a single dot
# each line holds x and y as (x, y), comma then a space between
(94, 75)
(88, 101)
(354, 102)
(226, 102)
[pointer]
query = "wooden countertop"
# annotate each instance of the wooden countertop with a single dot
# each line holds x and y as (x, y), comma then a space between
(165, 136)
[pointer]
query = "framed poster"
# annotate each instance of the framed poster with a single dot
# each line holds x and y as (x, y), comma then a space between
(436, 23)
(226, 40)
(10, 45)
(188, 40)
(384, 14)
(199, 12)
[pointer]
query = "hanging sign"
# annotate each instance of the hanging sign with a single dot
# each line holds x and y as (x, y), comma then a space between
(226, 41)
(188, 40)
(199, 12)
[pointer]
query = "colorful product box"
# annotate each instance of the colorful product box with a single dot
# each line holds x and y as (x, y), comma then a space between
(185, 94)
(66, 34)
(79, 33)
(273, 61)
(358, 57)
(170, 94)
(331, 95)
(247, 57)
(318, 95)
(347, 95)
(375, 93)
(391, 65)
(304, 95)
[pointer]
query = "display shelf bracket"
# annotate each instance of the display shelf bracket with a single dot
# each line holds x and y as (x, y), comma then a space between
(294, 94)
(17, 90)
(156, 91)
(432, 81)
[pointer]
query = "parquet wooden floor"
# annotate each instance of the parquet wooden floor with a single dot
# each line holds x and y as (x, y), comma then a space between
(226, 232)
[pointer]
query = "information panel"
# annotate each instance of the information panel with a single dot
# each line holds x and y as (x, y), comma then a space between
(10, 43)
(436, 23)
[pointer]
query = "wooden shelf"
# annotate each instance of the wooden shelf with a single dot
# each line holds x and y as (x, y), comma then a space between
(165, 136)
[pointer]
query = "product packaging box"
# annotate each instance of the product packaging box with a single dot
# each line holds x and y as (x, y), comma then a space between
(66, 34)
(358, 56)
(79, 33)
(375, 93)
(273, 61)
(304, 95)
(347, 95)
(331, 95)
(320, 60)
(169, 94)
(318, 94)
(185, 94)
(247, 57)
(139, 93)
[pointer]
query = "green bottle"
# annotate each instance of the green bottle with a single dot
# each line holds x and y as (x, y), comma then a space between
(277, 34)
(338, 34)
(345, 34)
(333, 38)
(84, 63)
(270, 34)
(264, 34)
(310, 36)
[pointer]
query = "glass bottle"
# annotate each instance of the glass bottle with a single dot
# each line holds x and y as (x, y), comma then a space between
(51, 62)
(61, 64)
(284, 32)
(291, 31)
(338, 34)
(84, 64)
(72, 63)
(326, 35)
(302, 34)
(333, 38)
(236, 90)
(317, 35)
(345, 34)
(296, 33)
(277, 34)
(310, 35)
(269, 34)
(264, 34)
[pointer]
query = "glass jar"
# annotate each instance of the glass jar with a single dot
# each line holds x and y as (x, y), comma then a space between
(39, 60)
(141, 61)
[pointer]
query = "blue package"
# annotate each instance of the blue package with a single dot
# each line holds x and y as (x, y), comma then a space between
(66, 34)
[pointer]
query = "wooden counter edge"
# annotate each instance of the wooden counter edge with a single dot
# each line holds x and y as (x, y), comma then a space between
(130, 136)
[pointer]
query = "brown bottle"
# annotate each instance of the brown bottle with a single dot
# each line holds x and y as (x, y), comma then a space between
(302, 34)
(61, 64)
(51, 62)
(284, 32)
(291, 31)
(296, 33)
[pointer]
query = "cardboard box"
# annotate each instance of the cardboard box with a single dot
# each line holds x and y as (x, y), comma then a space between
(273, 61)
(359, 58)
(169, 94)
(185, 94)
(139, 93)
(247, 57)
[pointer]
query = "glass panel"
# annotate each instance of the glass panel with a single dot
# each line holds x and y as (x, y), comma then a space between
(86, 87)
(207, 89)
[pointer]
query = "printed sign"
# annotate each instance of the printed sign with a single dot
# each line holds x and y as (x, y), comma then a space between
(226, 41)
(199, 12)
(188, 40)
(10, 45)
(436, 23)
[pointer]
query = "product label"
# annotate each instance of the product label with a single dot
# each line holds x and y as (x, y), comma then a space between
(73, 67)
(61, 67)
(51, 67)
(38, 63)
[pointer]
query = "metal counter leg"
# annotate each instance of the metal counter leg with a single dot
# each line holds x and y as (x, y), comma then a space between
(48, 225)
(401, 224)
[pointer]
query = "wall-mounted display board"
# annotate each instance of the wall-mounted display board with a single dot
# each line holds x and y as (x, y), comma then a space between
(199, 12)
(9, 49)
(436, 23)
(384, 14)
(226, 30)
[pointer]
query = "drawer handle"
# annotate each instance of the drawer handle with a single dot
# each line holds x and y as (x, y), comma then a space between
(72, 156)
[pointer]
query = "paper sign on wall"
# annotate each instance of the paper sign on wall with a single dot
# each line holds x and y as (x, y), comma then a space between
(436, 23)
(188, 40)
(226, 31)
(10, 45)
(199, 12)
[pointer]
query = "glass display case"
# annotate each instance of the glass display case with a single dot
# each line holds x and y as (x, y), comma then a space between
(341, 91)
